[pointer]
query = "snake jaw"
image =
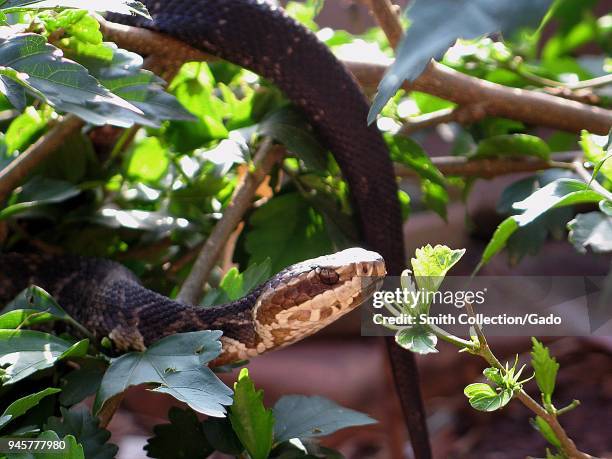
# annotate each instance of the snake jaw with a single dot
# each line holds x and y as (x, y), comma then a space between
(309, 296)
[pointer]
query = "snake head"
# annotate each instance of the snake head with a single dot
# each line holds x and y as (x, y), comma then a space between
(307, 296)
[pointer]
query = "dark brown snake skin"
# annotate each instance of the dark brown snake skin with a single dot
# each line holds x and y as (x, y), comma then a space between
(263, 39)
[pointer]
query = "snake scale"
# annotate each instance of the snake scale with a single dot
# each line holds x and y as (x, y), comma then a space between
(108, 299)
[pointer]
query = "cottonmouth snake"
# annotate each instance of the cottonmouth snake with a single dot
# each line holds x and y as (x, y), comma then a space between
(262, 38)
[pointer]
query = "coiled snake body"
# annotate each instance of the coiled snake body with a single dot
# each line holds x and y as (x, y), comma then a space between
(264, 39)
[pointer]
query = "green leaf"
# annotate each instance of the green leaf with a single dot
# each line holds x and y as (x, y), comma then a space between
(124, 76)
(593, 230)
(559, 193)
(182, 438)
(435, 197)
(147, 161)
(512, 145)
(494, 375)
(63, 84)
(305, 12)
(289, 127)
(34, 300)
(301, 416)
(430, 265)
(38, 192)
(176, 364)
(85, 428)
(128, 7)
(596, 155)
(235, 284)
(286, 229)
(546, 368)
(25, 352)
(484, 398)
(436, 26)
(73, 449)
(406, 151)
(417, 339)
(252, 422)
(546, 431)
(82, 382)
(498, 240)
(24, 129)
(20, 406)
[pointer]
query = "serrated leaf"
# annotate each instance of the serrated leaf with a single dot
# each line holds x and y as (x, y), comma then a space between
(252, 422)
(430, 265)
(417, 339)
(182, 438)
(300, 416)
(79, 422)
(484, 398)
(177, 365)
(24, 352)
(64, 84)
(437, 25)
(546, 368)
(593, 230)
(20, 406)
(512, 145)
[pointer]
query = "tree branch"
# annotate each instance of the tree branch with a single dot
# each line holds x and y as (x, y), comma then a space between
(386, 15)
(13, 174)
(491, 167)
(519, 104)
(265, 158)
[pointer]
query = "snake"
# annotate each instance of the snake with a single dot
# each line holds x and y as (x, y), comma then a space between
(110, 301)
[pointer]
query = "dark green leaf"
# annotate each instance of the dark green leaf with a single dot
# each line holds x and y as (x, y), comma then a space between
(64, 84)
(435, 197)
(128, 7)
(182, 438)
(177, 364)
(289, 127)
(82, 382)
(286, 230)
(406, 151)
(20, 406)
(221, 436)
(85, 428)
(546, 431)
(235, 284)
(252, 422)
(300, 416)
(593, 230)
(38, 192)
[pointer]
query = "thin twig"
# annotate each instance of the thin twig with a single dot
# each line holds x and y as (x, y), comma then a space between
(264, 160)
(387, 17)
(464, 115)
(13, 174)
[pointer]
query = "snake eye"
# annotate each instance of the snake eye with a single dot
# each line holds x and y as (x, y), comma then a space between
(328, 276)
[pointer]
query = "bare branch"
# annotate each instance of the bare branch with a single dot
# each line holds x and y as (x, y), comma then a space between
(13, 174)
(463, 115)
(386, 15)
(490, 168)
(265, 158)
